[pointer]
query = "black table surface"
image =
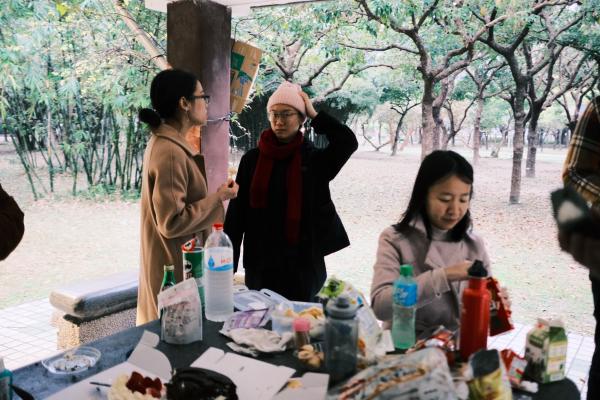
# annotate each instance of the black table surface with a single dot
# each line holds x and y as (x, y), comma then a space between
(116, 348)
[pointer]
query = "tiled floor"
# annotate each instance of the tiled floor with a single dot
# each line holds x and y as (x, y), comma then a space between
(26, 336)
(579, 352)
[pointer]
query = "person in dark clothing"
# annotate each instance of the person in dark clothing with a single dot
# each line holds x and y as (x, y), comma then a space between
(283, 213)
(11, 224)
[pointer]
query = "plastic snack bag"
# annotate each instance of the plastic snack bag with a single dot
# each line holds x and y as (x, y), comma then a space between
(247, 319)
(335, 287)
(181, 313)
(421, 375)
(489, 380)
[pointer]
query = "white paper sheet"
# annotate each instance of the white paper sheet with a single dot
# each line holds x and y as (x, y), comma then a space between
(314, 387)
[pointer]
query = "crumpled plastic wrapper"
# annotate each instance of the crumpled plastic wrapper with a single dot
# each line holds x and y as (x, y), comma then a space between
(423, 375)
(258, 340)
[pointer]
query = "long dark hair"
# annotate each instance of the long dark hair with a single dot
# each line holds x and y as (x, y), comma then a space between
(167, 88)
(436, 167)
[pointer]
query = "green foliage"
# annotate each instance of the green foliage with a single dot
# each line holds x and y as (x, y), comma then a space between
(496, 113)
(72, 81)
(72, 77)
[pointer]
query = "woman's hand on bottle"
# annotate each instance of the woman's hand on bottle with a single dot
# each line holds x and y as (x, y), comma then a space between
(310, 109)
(458, 272)
(228, 190)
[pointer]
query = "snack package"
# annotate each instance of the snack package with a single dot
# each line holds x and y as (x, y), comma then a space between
(335, 287)
(421, 375)
(441, 338)
(369, 336)
(489, 380)
(247, 319)
(181, 313)
(546, 351)
(500, 312)
(515, 366)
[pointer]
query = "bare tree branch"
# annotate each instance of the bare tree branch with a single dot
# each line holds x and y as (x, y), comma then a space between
(426, 14)
(385, 48)
(319, 70)
(351, 72)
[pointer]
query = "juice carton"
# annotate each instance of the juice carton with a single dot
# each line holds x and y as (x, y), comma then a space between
(546, 351)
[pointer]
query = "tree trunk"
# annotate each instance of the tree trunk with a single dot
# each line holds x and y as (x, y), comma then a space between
(518, 146)
(445, 137)
(532, 139)
(477, 130)
(396, 137)
(427, 119)
(564, 135)
(437, 128)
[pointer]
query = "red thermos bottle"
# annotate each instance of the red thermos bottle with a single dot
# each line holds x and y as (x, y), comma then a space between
(475, 312)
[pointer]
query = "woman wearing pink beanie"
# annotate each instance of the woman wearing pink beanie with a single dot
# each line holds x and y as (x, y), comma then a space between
(283, 212)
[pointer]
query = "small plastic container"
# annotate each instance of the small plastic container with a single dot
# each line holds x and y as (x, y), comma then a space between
(301, 328)
(73, 361)
(281, 321)
(283, 315)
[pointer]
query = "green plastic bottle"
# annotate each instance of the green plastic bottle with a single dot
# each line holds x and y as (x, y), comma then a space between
(6, 379)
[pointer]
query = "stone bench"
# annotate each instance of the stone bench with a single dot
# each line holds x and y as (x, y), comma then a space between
(89, 310)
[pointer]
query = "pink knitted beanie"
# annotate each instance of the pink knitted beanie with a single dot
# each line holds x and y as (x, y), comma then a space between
(287, 93)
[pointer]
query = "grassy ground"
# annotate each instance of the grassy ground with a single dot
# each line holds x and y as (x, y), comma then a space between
(73, 239)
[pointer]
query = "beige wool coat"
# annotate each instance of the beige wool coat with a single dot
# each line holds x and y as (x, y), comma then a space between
(175, 205)
(438, 300)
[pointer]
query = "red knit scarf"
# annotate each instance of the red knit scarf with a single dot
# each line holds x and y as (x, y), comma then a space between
(270, 150)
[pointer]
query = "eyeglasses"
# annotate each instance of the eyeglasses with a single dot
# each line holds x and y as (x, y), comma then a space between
(204, 97)
(284, 116)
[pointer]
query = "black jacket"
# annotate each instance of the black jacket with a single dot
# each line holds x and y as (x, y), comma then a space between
(296, 272)
(11, 224)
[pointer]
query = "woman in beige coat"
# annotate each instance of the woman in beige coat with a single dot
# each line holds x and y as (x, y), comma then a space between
(175, 202)
(435, 237)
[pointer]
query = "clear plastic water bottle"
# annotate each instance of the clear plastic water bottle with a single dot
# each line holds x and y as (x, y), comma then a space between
(218, 273)
(404, 309)
(341, 338)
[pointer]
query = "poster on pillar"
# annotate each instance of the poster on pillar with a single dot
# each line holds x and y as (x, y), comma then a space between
(245, 60)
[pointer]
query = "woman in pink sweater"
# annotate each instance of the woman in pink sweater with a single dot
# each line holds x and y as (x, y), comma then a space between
(435, 237)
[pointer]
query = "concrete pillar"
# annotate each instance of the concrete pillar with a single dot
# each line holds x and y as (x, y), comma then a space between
(198, 40)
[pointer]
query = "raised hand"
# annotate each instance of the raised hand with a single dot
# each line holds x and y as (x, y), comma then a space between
(310, 109)
(228, 190)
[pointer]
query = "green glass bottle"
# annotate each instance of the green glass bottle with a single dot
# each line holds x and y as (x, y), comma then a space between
(167, 282)
(168, 278)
